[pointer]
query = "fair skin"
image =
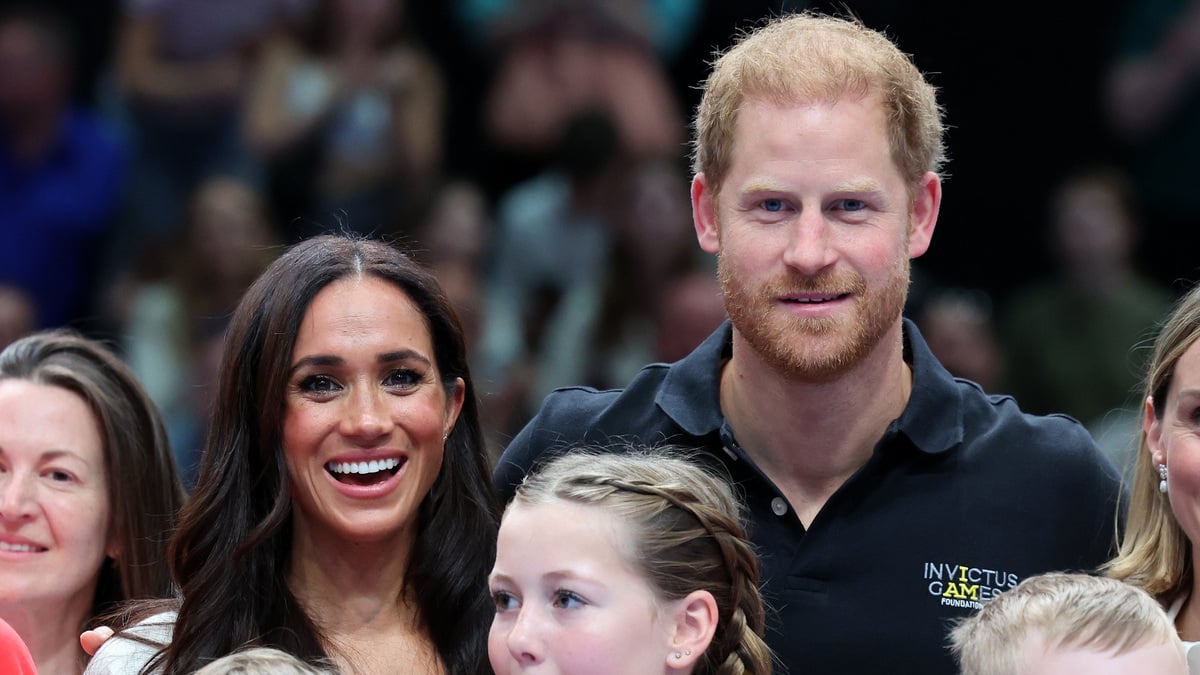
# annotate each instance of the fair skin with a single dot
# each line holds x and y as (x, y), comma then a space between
(814, 226)
(1160, 659)
(54, 515)
(365, 417)
(1173, 438)
(569, 601)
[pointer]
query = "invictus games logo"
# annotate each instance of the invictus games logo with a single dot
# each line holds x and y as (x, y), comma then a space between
(965, 586)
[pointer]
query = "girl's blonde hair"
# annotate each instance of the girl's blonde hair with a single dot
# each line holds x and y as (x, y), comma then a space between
(687, 536)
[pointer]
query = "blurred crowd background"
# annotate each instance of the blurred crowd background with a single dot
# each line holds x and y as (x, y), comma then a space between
(156, 154)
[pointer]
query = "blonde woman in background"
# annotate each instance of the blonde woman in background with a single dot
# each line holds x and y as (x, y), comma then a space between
(1158, 548)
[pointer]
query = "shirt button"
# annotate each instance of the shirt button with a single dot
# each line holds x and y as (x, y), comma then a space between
(779, 506)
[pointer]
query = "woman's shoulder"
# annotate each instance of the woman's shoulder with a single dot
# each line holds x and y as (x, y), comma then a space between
(127, 652)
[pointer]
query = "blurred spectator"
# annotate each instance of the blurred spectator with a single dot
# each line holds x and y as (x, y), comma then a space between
(1153, 96)
(183, 72)
(17, 315)
(61, 170)
(958, 326)
(454, 241)
(1072, 341)
(653, 246)
(173, 315)
(557, 58)
(666, 25)
(545, 282)
(691, 308)
(348, 110)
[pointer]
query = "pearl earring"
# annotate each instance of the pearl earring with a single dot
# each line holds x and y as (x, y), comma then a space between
(1162, 474)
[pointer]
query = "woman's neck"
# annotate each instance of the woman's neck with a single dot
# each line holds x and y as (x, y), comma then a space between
(357, 596)
(51, 633)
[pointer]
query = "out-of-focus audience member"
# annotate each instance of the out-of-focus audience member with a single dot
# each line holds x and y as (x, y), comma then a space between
(88, 493)
(17, 315)
(348, 111)
(957, 323)
(15, 658)
(454, 242)
(557, 59)
(1058, 623)
(182, 298)
(652, 247)
(1072, 340)
(692, 307)
(261, 661)
(1162, 531)
(666, 25)
(61, 169)
(183, 72)
(545, 282)
(1152, 92)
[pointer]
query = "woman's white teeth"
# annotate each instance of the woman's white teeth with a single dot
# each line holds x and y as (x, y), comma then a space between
(20, 548)
(373, 466)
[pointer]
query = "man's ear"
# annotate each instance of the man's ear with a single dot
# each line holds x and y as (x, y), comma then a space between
(704, 214)
(693, 626)
(926, 202)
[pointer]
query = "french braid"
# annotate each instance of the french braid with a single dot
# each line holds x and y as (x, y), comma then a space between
(688, 537)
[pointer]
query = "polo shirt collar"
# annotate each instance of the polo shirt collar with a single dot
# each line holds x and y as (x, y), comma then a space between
(691, 391)
(932, 420)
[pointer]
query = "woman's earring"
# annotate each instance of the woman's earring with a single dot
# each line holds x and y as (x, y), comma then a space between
(1162, 474)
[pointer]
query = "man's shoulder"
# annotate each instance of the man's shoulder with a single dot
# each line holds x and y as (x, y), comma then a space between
(574, 416)
(996, 430)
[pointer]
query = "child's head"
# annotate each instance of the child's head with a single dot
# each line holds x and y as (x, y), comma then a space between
(260, 661)
(625, 562)
(1059, 623)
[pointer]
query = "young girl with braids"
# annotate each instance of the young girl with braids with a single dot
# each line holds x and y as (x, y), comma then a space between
(629, 562)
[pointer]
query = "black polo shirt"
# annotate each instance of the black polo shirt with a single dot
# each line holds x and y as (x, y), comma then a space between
(964, 496)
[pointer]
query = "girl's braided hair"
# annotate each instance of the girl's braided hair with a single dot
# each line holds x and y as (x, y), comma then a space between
(687, 536)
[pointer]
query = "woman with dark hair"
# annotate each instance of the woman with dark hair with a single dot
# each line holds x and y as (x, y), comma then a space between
(343, 511)
(88, 493)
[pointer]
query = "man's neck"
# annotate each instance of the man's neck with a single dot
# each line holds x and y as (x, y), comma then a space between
(809, 437)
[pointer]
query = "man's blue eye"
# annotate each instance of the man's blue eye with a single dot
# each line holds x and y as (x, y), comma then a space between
(772, 205)
(853, 204)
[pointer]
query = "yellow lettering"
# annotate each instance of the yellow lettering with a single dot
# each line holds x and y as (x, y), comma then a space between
(961, 591)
